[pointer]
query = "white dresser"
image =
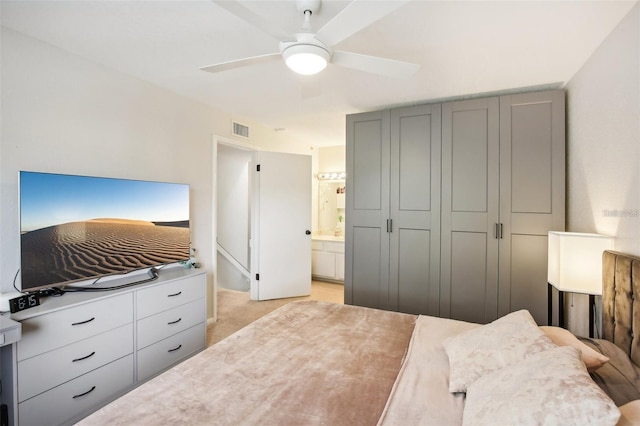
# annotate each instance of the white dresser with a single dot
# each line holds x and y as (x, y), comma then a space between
(82, 350)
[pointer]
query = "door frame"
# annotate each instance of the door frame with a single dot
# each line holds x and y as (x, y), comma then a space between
(243, 146)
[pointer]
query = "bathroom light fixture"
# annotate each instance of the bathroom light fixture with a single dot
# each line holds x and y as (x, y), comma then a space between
(307, 56)
(331, 176)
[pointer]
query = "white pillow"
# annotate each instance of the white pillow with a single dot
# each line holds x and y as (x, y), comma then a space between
(550, 388)
(505, 341)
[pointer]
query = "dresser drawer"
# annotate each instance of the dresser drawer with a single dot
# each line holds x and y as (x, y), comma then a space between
(50, 331)
(158, 298)
(67, 401)
(160, 326)
(157, 357)
(40, 373)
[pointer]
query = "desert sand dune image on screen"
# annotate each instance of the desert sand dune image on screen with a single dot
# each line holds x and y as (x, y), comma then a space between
(77, 250)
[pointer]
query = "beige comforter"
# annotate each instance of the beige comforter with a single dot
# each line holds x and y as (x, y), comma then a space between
(308, 363)
(421, 394)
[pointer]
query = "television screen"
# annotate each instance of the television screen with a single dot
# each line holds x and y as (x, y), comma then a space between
(76, 228)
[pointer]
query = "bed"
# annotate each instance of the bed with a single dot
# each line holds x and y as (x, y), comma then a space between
(315, 363)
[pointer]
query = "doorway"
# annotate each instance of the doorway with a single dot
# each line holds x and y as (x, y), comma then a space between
(233, 208)
(262, 223)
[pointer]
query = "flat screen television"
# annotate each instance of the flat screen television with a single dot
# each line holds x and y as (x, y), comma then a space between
(81, 228)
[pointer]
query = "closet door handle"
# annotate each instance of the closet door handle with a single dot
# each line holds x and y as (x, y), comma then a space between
(500, 229)
(389, 225)
(497, 231)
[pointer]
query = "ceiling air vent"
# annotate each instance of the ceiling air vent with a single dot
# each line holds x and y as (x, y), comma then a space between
(240, 130)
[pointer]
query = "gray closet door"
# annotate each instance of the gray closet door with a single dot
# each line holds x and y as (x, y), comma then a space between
(414, 278)
(470, 214)
(470, 203)
(532, 196)
(366, 278)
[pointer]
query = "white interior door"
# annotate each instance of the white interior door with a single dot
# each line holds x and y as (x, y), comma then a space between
(282, 217)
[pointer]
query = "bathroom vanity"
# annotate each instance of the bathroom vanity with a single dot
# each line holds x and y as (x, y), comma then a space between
(327, 258)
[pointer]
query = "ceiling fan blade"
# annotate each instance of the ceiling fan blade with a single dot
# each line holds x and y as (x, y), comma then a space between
(239, 63)
(374, 64)
(242, 12)
(353, 18)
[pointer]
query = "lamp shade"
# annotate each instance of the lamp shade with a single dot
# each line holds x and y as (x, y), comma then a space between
(575, 261)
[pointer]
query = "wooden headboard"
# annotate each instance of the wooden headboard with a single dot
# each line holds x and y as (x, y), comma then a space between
(620, 306)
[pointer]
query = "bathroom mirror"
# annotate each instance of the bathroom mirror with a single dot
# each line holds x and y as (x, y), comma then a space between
(331, 199)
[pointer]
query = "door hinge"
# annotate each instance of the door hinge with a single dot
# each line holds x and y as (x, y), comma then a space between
(258, 168)
(257, 277)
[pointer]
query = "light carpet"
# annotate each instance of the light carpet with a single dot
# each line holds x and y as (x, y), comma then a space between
(236, 310)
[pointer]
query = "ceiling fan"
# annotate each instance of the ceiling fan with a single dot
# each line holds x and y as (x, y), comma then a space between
(309, 53)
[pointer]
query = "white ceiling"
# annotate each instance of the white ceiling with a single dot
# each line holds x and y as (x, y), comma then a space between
(463, 47)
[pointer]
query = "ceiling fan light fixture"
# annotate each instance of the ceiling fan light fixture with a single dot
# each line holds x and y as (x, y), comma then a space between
(306, 59)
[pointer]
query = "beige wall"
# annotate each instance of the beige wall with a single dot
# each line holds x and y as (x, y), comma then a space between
(332, 159)
(603, 139)
(603, 147)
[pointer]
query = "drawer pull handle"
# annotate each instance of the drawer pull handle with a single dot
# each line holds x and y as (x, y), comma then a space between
(86, 393)
(84, 357)
(84, 322)
(174, 349)
(174, 294)
(175, 322)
